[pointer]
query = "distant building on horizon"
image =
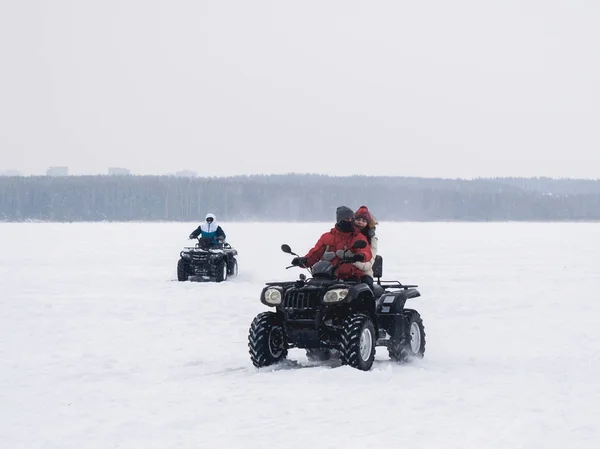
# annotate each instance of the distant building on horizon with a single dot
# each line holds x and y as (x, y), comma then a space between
(57, 171)
(186, 174)
(10, 173)
(118, 171)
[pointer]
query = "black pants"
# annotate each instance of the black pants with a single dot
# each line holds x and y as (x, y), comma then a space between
(367, 280)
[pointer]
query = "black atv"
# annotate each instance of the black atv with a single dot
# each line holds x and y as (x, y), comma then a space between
(207, 262)
(325, 315)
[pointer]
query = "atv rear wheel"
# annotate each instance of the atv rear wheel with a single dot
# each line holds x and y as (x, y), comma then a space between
(183, 270)
(266, 340)
(411, 345)
(357, 347)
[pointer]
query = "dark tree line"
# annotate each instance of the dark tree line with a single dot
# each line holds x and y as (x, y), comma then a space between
(294, 198)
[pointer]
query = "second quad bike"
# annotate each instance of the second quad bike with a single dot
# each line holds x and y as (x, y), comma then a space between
(324, 314)
(207, 262)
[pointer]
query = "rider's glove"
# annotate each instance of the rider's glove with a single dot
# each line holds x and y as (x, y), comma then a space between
(192, 236)
(344, 254)
(328, 256)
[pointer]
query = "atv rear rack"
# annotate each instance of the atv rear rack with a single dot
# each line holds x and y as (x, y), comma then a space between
(397, 284)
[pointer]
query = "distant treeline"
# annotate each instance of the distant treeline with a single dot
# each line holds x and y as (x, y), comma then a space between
(294, 197)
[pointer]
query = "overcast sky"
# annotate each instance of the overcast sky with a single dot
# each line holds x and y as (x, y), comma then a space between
(425, 88)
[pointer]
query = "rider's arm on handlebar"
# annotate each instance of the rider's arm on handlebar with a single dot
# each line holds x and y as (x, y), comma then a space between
(315, 253)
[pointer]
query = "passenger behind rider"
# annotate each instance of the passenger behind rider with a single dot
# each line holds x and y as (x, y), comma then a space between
(336, 242)
(366, 223)
(210, 230)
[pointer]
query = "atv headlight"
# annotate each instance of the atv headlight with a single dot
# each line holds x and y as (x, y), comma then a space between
(273, 296)
(184, 255)
(335, 295)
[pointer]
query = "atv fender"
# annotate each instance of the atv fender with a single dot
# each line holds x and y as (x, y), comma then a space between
(358, 290)
(362, 299)
(391, 312)
(393, 302)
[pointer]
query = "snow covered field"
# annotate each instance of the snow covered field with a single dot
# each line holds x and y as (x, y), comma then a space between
(100, 347)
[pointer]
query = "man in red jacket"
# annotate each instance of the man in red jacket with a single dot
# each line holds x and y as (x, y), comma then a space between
(339, 239)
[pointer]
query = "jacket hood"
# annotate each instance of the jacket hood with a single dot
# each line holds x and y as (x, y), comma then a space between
(209, 227)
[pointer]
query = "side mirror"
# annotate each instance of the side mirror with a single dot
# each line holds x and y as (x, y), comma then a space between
(359, 244)
(286, 249)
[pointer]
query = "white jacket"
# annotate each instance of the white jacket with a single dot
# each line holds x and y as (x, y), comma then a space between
(367, 267)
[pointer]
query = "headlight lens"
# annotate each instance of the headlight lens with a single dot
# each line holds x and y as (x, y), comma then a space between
(335, 295)
(273, 296)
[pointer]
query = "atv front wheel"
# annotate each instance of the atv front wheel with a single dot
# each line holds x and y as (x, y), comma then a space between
(357, 348)
(411, 345)
(183, 269)
(266, 340)
(221, 271)
(233, 269)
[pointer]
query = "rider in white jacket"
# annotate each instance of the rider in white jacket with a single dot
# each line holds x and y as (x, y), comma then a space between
(209, 230)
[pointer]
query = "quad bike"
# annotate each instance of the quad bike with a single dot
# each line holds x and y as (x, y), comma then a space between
(326, 315)
(205, 262)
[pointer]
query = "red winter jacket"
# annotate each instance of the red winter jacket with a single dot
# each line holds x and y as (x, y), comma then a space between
(336, 240)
